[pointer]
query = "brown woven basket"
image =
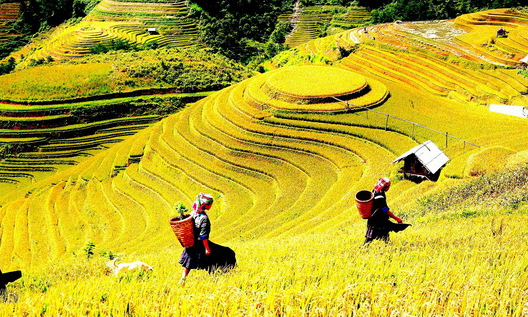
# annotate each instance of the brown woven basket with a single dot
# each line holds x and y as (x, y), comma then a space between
(184, 230)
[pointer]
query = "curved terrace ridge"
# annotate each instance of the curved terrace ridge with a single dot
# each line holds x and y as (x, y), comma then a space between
(315, 82)
(313, 88)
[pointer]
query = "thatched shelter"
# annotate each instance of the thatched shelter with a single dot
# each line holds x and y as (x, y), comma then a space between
(8, 277)
(152, 31)
(423, 162)
(524, 62)
(501, 32)
(516, 111)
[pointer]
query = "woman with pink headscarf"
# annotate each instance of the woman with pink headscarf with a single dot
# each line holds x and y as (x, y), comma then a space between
(379, 225)
(205, 254)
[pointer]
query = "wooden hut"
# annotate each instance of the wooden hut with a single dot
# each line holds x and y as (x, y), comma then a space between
(152, 31)
(423, 162)
(523, 62)
(501, 32)
(8, 277)
(516, 111)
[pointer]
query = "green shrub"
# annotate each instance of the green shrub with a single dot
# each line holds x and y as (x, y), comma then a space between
(7, 67)
(228, 25)
(189, 70)
(107, 254)
(505, 189)
(89, 249)
(113, 45)
(12, 44)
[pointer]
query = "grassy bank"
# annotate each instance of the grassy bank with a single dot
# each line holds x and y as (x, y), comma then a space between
(448, 267)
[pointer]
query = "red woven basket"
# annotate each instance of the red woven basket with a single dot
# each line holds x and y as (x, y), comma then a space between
(184, 230)
(364, 201)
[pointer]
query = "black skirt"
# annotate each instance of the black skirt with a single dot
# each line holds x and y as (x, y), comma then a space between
(382, 233)
(377, 233)
(221, 258)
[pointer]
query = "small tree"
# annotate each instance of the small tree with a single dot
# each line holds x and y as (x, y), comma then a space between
(181, 209)
(89, 249)
(107, 254)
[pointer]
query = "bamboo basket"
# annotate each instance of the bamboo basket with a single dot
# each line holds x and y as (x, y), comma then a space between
(184, 230)
(364, 200)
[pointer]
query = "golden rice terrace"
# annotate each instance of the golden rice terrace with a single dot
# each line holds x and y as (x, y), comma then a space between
(280, 151)
(283, 153)
(314, 88)
(138, 23)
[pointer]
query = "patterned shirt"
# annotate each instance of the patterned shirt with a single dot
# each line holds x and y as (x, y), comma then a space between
(202, 225)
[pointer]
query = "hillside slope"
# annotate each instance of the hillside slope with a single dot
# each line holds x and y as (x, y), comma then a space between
(279, 158)
(284, 153)
(309, 22)
(9, 12)
(458, 59)
(145, 24)
(464, 263)
(53, 116)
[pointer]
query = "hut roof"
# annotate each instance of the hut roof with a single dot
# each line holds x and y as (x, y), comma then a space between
(431, 157)
(517, 111)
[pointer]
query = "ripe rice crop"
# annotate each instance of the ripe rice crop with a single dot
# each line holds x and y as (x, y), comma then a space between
(451, 267)
(313, 82)
(284, 183)
(105, 23)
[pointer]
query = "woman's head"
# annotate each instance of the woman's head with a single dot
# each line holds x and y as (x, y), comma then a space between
(203, 202)
(383, 184)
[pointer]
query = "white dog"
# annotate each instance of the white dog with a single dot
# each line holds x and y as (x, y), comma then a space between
(130, 267)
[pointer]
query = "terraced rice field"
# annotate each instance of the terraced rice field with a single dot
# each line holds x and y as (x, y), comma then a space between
(283, 159)
(215, 145)
(69, 111)
(278, 154)
(353, 17)
(432, 56)
(47, 138)
(482, 35)
(50, 149)
(121, 20)
(278, 148)
(9, 12)
(310, 22)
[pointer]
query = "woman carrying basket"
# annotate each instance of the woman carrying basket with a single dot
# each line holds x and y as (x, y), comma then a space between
(379, 225)
(204, 254)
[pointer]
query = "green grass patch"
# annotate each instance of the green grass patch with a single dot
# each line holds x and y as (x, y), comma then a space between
(58, 82)
(184, 70)
(504, 190)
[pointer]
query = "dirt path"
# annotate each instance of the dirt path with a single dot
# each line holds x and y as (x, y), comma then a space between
(294, 19)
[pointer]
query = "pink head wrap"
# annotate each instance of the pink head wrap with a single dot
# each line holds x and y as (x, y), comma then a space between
(381, 184)
(201, 201)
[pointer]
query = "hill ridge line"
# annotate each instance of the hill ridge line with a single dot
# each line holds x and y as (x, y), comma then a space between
(117, 95)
